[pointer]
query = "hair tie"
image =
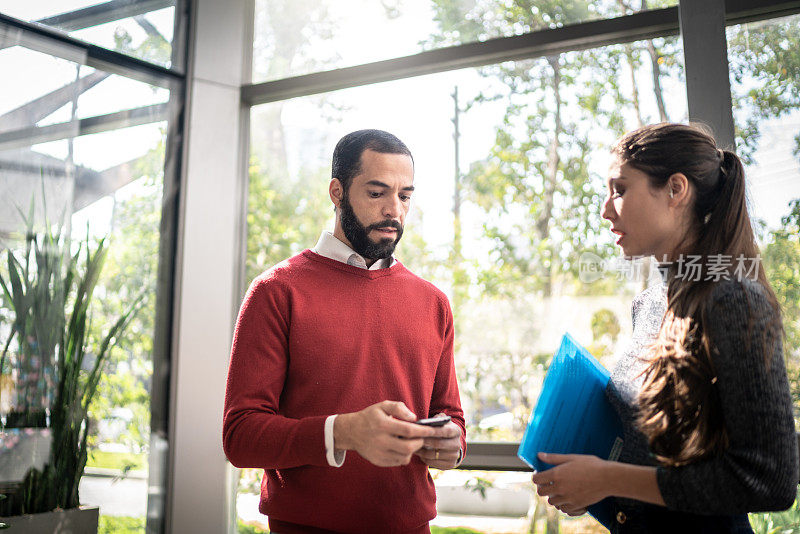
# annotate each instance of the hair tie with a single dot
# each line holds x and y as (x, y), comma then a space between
(723, 173)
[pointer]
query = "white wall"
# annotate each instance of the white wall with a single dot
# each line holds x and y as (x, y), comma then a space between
(208, 264)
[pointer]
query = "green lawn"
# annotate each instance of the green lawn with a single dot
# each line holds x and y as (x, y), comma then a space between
(110, 524)
(116, 460)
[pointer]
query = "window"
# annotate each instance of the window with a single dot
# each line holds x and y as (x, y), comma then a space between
(765, 80)
(83, 151)
(510, 164)
(295, 38)
(514, 275)
(140, 29)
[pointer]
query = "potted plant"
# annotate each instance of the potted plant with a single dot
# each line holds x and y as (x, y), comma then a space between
(48, 290)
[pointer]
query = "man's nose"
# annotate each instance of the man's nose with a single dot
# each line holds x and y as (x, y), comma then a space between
(392, 208)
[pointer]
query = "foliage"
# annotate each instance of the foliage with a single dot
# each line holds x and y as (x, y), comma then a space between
(247, 528)
(539, 197)
(116, 460)
(284, 216)
(283, 47)
(503, 379)
(50, 291)
(154, 48)
(132, 265)
(765, 74)
(782, 264)
(110, 524)
(480, 485)
(453, 530)
(250, 480)
(605, 331)
(787, 522)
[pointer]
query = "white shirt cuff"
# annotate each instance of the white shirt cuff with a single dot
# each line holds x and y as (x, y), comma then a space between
(335, 457)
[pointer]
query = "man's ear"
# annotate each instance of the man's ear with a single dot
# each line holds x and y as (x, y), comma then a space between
(336, 191)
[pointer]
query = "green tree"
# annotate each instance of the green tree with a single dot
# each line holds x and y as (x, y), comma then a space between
(535, 188)
(765, 77)
(284, 215)
(782, 264)
(131, 268)
(765, 74)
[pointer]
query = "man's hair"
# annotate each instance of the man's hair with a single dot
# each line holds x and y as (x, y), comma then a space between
(347, 154)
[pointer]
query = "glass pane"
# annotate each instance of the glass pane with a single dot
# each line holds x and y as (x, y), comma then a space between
(526, 218)
(144, 31)
(84, 187)
(293, 38)
(765, 79)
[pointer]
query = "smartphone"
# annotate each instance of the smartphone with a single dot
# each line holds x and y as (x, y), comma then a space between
(439, 420)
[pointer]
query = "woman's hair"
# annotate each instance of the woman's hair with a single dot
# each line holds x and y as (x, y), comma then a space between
(679, 408)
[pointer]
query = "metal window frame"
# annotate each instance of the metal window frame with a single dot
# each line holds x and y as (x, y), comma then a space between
(647, 25)
(164, 345)
(103, 13)
(56, 43)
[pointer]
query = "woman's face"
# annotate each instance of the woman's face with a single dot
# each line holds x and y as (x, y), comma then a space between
(645, 219)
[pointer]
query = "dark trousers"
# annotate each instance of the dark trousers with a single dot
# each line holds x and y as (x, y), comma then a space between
(650, 519)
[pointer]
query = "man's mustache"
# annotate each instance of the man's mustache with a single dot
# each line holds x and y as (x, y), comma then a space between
(384, 224)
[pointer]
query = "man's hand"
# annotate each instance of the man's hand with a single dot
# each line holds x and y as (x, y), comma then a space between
(381, 434)
(442, 450)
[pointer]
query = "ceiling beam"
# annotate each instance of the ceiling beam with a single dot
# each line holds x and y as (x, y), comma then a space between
(25, 137)
(103, 13)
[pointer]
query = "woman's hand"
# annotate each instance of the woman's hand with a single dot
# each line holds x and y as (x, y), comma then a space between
(576, 482)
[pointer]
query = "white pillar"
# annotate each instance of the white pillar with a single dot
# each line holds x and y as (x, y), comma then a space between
(208, 263)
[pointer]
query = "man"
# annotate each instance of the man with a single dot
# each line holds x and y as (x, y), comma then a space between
(346, 329)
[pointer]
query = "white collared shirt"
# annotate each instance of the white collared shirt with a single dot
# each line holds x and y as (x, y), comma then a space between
(330, 247)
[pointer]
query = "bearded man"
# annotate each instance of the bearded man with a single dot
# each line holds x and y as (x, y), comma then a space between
(341, 348)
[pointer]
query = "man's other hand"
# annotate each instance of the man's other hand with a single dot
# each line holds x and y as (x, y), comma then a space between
(383, 434)
(442, 450)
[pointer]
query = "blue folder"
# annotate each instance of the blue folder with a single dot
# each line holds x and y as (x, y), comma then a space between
(573, 415)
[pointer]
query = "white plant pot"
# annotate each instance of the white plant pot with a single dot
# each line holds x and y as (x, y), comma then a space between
(23, 449)
(81, 520)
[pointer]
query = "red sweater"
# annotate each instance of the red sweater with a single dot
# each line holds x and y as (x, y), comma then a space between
(317, 337)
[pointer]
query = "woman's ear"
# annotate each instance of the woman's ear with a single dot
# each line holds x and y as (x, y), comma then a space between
(678, 189)
(336, 191)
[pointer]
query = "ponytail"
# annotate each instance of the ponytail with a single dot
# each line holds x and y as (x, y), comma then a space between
(726, 228)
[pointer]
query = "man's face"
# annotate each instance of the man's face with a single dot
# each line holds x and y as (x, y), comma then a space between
(372, 212)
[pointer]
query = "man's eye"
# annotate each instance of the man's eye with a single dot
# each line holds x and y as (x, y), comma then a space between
(405, 198)
(374, 194)
(617, 193)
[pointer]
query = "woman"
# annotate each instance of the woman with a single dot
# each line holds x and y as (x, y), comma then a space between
(702, 389)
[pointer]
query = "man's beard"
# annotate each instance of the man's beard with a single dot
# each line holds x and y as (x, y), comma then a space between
(358, 234)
